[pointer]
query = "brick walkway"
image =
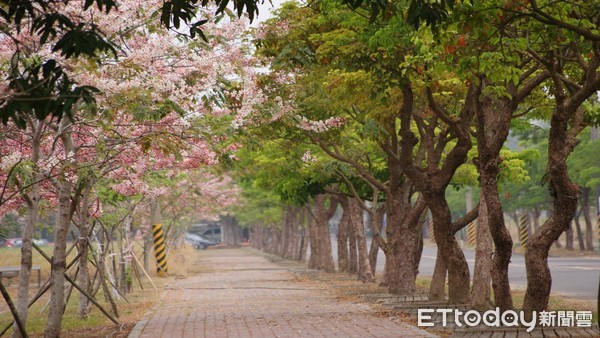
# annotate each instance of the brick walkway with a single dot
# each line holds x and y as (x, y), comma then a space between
(245, 295)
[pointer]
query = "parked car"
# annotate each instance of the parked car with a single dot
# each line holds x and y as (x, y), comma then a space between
(198, 241)
(40, 242)
(212, 234)
(12, 243)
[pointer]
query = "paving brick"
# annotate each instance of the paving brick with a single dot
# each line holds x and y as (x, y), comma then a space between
(246, 295)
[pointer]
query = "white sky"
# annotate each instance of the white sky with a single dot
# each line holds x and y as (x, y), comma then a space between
(265, 9)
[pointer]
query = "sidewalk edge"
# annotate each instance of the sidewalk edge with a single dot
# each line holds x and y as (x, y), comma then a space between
(137, 329)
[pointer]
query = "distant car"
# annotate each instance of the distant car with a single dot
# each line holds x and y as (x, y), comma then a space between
(13, 243)
(212, 234)
(198, 241)
(40, 242)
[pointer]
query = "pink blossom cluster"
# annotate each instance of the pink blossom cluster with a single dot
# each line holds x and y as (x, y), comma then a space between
(320, 126)
(308, 157)
(263, 32)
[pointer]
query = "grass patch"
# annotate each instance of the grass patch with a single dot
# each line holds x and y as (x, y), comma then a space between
(12, 257)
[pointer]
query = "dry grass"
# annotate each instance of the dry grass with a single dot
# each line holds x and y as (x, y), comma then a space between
(181, 263)
(12, 257)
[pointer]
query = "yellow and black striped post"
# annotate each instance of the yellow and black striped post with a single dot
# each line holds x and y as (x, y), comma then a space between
(523, 235)
(160, 251)
(431, 233)
(471, 234)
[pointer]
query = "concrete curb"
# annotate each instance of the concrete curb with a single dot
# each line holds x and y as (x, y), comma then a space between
(137, 329)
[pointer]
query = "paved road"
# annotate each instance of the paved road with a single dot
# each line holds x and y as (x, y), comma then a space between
(573, 276)
(245, 295)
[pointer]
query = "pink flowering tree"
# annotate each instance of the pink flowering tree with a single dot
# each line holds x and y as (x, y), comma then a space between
(150, 116)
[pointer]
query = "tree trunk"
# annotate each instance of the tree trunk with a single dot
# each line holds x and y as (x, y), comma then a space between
(454, 258)
(230, 230)
(418, 252)
(26, 257)
(557, 242)
(569, 237)
(401, 248)
(564, 193)
(535, 216)
(500, 235)
(585, 207)
(493, 123)
(292, 233)
(285, 233)
(376, 222)
(419, 248)
(342, 238)
(303, 245)
(59, 259)
(83, 278)
(63, 220)
(256, 237)
(580, 239)
(314, 247)
(364, 265)
(121, 278)
(322, 216)
(480, 294)
(402, 241)
(32, 200)
(352, 249)
(437, 289)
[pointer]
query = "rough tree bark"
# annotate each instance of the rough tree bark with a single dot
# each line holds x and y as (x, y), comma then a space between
(402, 233)
(493, 122)
(32, 200)
(437, 288)
(364, 265)
(230, 230)
(352, 249)
(433, 178)
(564, 192)
(303, 246)
(342, 238)
(59, 259)
(293, 234)
(285, 231)
(84, 227)
(376, 225)
(313, 260)
(566, 123)
(419, 249)
(569, 237)
(454, 258)
(580, 239)
(585, 209)
(321, 216)
(480, 293)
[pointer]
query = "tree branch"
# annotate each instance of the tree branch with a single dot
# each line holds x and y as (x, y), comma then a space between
(466, 219)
